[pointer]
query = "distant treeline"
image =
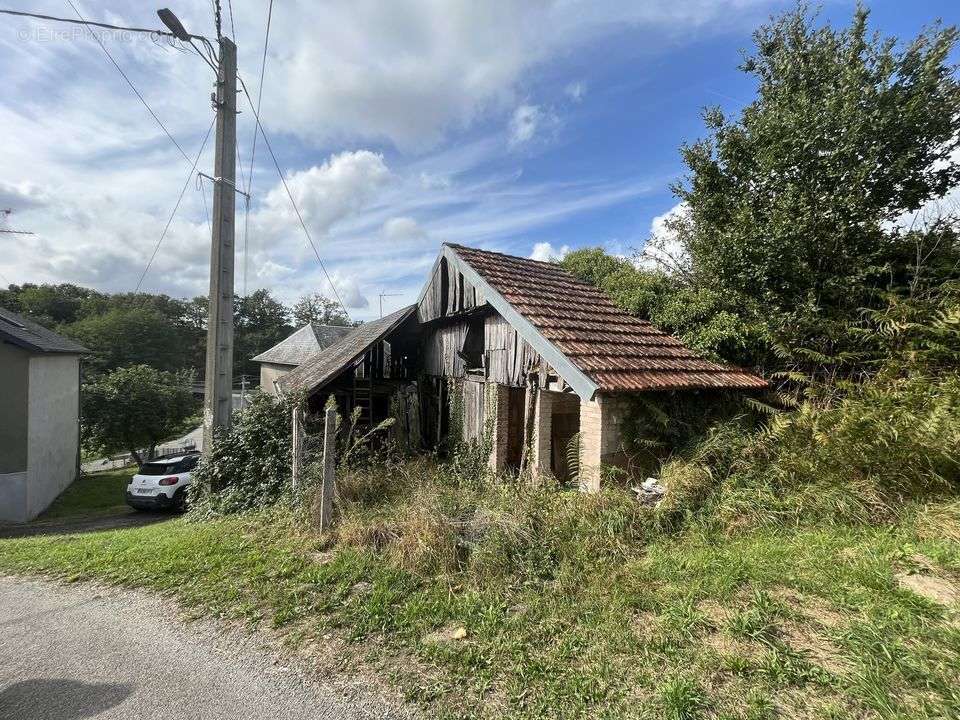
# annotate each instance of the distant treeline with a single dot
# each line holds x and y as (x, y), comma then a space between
(169, 334)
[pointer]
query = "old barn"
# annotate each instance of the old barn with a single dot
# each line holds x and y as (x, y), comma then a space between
(517, 351)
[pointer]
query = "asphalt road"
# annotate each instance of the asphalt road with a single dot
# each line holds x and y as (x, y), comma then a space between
(71, 652)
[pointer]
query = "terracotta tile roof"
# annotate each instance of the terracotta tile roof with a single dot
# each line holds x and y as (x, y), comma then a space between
(618, 351)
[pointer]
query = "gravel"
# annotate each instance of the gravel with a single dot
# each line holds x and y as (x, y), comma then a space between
(71, 652)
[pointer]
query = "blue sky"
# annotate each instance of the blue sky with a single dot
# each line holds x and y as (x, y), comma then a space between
(526, 127)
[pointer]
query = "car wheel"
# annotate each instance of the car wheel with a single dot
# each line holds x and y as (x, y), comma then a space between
(180, 500)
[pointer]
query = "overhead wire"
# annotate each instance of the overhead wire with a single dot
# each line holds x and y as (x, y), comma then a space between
(108, 26)
(253, 144)
(296, 209)
(130, 83)
(176, 207)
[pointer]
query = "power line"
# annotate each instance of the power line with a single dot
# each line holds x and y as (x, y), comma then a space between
(132, 86)
(263, 67)
(253, 145)
(175, 207)
(233, 28)
(108, 26)
(306, 231)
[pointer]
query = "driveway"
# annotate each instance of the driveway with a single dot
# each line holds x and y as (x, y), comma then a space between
(71, 652)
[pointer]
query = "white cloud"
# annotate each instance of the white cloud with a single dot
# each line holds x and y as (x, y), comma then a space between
(349, 291)
(89, 171)
(402, 228)
(544, 252)
(663, 250)
(531, 122)
(576, 90)
(331, 191)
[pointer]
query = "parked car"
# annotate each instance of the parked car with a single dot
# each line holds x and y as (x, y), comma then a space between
(162, 483)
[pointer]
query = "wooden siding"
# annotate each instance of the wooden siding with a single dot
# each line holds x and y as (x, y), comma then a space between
(441, 344)
(509, 356)
(474, 409)
(447, 293)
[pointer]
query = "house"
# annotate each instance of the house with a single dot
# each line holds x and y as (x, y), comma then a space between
(39, 416)
(295, 350)
(517, 351)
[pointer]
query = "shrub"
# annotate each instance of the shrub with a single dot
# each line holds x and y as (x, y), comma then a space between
(249, 466)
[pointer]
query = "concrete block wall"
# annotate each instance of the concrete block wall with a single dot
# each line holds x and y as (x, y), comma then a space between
(601, 436)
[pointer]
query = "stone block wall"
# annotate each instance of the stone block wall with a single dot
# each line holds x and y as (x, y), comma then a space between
(601, 437)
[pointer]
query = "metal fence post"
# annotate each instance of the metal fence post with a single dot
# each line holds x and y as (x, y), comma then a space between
(329, 467)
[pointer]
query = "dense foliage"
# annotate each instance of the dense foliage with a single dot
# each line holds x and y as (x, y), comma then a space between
(247, 467)
(810, 209)
(808, 250)
(133, 409)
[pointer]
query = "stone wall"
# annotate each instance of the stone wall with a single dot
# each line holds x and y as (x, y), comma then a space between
(601, 437)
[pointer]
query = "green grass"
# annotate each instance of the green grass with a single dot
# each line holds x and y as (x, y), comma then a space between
(94, 494)
(802, 623)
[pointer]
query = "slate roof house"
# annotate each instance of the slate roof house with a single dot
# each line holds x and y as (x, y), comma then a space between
(515, 347)
(39, 416)
(295, 350)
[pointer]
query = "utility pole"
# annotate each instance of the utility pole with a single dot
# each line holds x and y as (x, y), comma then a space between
(218, 380)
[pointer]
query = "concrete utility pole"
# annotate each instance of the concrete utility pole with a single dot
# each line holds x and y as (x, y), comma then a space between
(218, 382)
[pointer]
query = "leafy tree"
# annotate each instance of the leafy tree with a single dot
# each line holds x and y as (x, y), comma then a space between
(50, 305)
(791, 202)
(260, 322)
(132, 336)
(133, 409)
(317, 308)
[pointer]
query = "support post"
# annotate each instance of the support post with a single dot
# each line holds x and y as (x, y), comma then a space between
(298, 443)
(529, 399)
(218, 381)
(329, 468)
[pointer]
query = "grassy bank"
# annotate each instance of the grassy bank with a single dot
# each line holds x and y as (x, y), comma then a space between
(99, 493)
(813, 622)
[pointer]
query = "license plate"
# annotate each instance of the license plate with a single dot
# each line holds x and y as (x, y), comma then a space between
(144, 491)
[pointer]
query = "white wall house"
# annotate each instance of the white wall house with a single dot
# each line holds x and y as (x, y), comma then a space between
(39, 416)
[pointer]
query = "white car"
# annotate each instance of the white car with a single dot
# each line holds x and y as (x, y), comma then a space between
(162, 483)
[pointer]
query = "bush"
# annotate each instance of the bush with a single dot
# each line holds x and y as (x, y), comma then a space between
(248, 467)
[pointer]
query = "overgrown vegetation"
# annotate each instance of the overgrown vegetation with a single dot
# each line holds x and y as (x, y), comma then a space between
(248, 467)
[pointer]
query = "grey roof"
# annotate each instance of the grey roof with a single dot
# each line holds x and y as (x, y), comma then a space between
(331, 362)
(304, 344)
(20, 331)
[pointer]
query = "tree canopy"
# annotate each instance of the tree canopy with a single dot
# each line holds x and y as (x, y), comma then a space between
(133, 409)
(794, 220)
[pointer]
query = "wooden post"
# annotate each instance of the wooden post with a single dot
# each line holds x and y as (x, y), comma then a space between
(529, 398)
(298, 443)
(329, 468)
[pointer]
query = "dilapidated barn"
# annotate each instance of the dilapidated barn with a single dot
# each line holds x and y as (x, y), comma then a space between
(515, 351)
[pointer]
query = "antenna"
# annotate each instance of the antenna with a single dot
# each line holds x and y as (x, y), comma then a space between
(7, 212)
(382, 296)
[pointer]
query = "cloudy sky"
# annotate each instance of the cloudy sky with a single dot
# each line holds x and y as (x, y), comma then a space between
(524, 126)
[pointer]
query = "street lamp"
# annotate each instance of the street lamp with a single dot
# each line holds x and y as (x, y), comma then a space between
(173, 24)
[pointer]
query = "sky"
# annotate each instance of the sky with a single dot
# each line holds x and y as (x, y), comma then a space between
(530, 127)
